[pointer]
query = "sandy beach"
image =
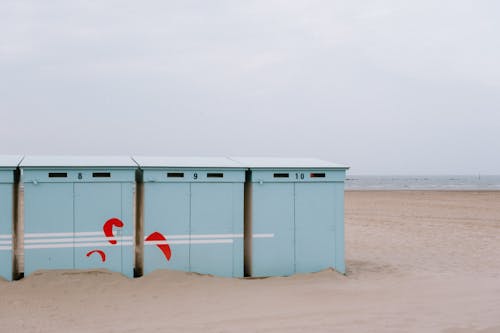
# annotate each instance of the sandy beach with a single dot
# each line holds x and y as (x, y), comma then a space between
(417, 261)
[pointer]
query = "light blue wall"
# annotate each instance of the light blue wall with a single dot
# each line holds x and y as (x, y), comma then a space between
(48, 209)
(167, 209)
(273, 213)
(314, 227)
(64, 219)
(6, 211)
(201, 218)
(304, 215)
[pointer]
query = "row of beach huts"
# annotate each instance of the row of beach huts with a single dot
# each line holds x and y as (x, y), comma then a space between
(231, 217)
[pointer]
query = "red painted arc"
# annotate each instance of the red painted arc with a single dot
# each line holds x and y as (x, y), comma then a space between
(101, 253)
(107, 228)
(165, 248)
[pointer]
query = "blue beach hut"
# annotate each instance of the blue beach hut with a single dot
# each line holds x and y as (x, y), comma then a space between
(193, 214)
(294, 216)
(78, 212)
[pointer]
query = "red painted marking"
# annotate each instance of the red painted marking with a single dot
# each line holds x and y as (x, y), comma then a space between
(101, 253)
(165, 248)
(108, 228)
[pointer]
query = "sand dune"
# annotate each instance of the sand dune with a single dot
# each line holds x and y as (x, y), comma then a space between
(417, 262)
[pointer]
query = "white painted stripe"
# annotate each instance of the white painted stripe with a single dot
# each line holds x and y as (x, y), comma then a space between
(76, 245)
(63, 234)
(172, 239)
(51, 240)
(187, 241)
(174, 236)
(6, 248)
(211, 241)
(4, 236)
(100, 233)
(69, 245)
(203, 236)
(6, 242)
(218, 236)
(263, 235)
(70, 240)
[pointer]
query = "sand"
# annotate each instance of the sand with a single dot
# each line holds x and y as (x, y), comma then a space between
(418, 261)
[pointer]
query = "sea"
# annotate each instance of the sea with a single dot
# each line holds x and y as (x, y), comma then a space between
(419, 182)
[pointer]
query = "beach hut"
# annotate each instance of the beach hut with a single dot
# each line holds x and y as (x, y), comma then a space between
(294, 216)
(193, 214)
(78, 212)
(8, 165)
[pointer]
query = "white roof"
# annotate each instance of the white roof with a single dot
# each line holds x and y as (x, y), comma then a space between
(77, 161)
(185, 162)
(10, 161)
(286, 163)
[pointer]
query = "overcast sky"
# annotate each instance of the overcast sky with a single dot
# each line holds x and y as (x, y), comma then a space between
(387, 87)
